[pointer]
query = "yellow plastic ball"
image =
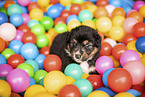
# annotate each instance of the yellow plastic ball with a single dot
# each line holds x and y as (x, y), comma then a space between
(118, 20)
(32, 90)
(92, 8)
(73, 24)
(116, 62)
(143, 60)
(5, 89)
(103, 24)
(43, 3)
(131, 45)
(36, 14)
(69, 80)
(123, 94)
(89, 23)
(116, 33)
(142, 10)
(54, 81)
(44, 94)
(85, 75)
(65, 2)
(98, 94)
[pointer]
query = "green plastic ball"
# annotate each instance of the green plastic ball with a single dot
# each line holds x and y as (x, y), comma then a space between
(42, 41)
(78, 1)
(38, 29)
(47, 22)
(27, 67)
(60, 28)
(7, 52)
(3, 10)
(32, 22)
(39, 75)
(85, 15)
(14, 8)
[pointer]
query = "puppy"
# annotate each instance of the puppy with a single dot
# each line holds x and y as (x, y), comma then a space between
(81, 45)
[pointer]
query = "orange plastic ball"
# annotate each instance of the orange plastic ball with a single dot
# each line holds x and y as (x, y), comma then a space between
(75, 9)
(2, 44)
(32, 6)
(106, 49)
(8, 3)
(102, 3)
(136, 15)
(128, 37)
(118, 11)
(100, 12)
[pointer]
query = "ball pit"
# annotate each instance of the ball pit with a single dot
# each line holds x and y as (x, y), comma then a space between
(27, 30)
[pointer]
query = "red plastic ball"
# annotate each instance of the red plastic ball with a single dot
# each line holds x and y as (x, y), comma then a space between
(33, 5)
(75, 9)
(60, 20)
(119, 80)
(29, 38)
(15, 59)
(143, 95)
(45, 50)
(69, 91)
(65, 14)
(24, 28)
(106, 49)
(96, 81)
(102, 2)
(139, 30)
(128, 37)
(54, 1)
(139, 88)
(52, 62)
(118, 50)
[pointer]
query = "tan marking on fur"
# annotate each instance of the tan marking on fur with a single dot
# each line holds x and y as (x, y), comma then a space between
(93, 52)
(75, 40)
(85, 42)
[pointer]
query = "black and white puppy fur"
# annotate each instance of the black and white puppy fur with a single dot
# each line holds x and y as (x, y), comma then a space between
(81, 45)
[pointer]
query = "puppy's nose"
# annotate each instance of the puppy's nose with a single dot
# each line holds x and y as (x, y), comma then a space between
(78, 56)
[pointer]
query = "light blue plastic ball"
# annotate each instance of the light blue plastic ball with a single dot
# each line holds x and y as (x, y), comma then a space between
(3, 18)
(2, 59)
(32, 22)
(40, 59)
(34, 64)
(16, 19)
(85, 15)
(72, 17)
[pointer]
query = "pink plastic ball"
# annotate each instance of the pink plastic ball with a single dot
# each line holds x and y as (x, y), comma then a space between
(5, 69)
(129, 55)
(137, 71)
(26, 18)
(24, 2)
(138, 4)
(130, 12)
(128, 24)
(103, 63)
(19, 80)
(19, 35)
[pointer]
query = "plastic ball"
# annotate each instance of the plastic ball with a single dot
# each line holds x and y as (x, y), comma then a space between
(98, 93)
(112, 42)
(32, 81)
(89, 23)
(16, 84)
(138, 16)
(100, 12)
(92, 8)
(131, 45)
(43, 3)
(128, 38)
(52, 62)
(47, 22)
(36, 14)
(44, 94)
(110, 9)
(96, 81)
(84, 86)
(69, 80)
(133, 10)
(116, 3)
(139, 30)
(54, 81)
(14, 94)
(24, 9)
(54, 1)
(60, 28)
(65, 14)
(72, 17)
(2, 42)
(7, 4)
(142, 11)
(123, 94)
(61, 7)
(73, 70)
(32, 22)
(75, 9)
(7, 52)
(103, 24)
(128, 24)
(34, 89)
(41, 82)
(16, 19)
(26, 67)
(14, 8)
(137, 71)
(85, 15)
(26, 18)
(102, 2)
(29, 38)
(103, 63)
(33, 5)
(129, 55)
(53, 11)
(24, 3)
(5, 90)
(24, 28)
(42, 41)
(65, 3)
(3, 10)
(5, 69)
(3, 18)
(106, 49)
(143, 60)
(34, 64)
(45, 50)
(69, 90)
(2, 59)
(7, 31)
(134, 92)
(39, 75)
(118, 20)
(40, 60)
(19, 35)
(115, 81)
(29, 51)
(38, 29)
(138, 4)
(118, 11)
(60, 20)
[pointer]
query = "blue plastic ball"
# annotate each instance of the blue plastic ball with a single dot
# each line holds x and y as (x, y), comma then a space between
(140, 44)
(41, 82)
(2, 59)
(24, 9)
(32, 81)
(16, 19)
(3, 18)
(74, 70)
(85, 15)
(33, 64)
(53, 11)
(40, 59)
(16, 46)
(116, 3)
(134, 92)
(72, 17)
(29, 51)
(61, 7)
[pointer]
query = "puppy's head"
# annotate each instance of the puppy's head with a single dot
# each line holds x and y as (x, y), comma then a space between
(83, 43)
